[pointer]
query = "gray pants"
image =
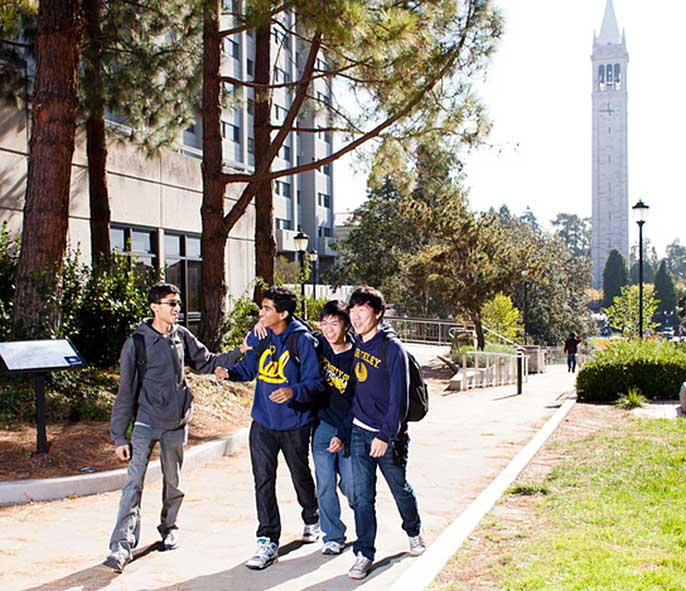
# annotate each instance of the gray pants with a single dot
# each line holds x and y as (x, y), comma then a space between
(126, 531)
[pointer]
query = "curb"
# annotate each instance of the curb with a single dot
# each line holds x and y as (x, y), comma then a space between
(50, 489)
(428, 565)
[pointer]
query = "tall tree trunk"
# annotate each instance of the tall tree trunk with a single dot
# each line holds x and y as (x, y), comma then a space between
(46, 209)
(96, 141)
(265, 245)
(214, 232)
(479, 329)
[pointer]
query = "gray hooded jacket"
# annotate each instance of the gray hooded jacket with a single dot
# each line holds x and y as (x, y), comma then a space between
(165, 399)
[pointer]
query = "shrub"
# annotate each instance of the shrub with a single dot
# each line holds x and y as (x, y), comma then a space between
(239, 321)
(656, 367)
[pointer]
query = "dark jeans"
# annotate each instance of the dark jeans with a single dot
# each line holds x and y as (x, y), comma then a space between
(571, 362)
(265, 445)
(393, 466)
(126, 531)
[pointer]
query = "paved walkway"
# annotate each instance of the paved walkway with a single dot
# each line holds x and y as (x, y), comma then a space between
(465, 441)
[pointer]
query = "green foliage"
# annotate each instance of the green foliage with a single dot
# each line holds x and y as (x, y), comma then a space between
(86, 394)
(575, 232)
(9, 258)
(239, 321)
(656, 367)
(313, 308)
(623, 314)
(648, 273)
(632, 399)
(286, 271)
(615, 276)
(501, 316)
(528, 489)
(676, 259)
(110, 303)
(665, 292)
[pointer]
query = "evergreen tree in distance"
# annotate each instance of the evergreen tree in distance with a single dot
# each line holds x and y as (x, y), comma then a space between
(665, 292)
(648, 273)
(615, 276)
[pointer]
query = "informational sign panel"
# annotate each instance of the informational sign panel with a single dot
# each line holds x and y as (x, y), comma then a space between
(40, 356)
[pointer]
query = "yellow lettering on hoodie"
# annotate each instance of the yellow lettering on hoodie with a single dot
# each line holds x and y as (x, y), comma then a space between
(271, 371)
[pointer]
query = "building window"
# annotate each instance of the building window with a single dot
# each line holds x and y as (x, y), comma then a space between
(601, 74)
(183, 268)
(324, 200)
(284, 224)
(251, 106)
(140, 245)
(283, 189)
(231, 132)
(251, 145)
(608, 70)
(286, 152)
(326, 169)
(250, 66)
(618, 75)
(324, 231)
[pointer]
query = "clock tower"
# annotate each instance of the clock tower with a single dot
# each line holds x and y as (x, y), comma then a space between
(610, 222)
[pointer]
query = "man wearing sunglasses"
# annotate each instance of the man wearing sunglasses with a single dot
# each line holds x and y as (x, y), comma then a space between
(153, 393)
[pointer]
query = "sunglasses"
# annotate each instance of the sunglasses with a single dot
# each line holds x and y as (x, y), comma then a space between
(171, 303)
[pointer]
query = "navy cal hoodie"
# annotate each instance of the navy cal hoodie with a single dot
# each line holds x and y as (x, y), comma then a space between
(381, 383)
(275, 369)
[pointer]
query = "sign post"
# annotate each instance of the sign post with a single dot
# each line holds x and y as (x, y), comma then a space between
(39, 358)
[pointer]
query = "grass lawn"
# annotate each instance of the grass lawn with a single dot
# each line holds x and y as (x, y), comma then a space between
(610, 516)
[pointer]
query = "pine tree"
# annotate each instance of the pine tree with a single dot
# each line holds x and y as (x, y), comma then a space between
(665, 293)
(615, 276)
(408, 64)
(46, 210)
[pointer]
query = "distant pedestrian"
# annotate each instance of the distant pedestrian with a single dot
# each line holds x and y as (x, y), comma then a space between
(331, 437)
(282, 412)
(571, 348)
(153, 393)
(379, 430)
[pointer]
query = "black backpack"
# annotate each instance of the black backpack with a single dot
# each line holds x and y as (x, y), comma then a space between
(418, 405)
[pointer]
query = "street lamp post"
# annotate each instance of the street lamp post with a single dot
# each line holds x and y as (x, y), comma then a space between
(640, 213)
(301, 240)
(313, 255)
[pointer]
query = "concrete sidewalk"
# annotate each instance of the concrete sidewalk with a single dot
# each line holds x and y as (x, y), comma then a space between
(463, 444)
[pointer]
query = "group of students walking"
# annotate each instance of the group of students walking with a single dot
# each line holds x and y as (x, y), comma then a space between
(342, 393)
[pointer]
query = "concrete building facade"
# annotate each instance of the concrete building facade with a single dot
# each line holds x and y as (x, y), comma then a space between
(155, 200)
(610, 185)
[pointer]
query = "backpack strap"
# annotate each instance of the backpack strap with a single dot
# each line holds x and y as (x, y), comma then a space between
(141, 360)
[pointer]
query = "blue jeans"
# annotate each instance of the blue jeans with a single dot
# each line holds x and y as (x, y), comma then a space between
(571, 362)
(127, 529)
(393, 466)
(331, 469)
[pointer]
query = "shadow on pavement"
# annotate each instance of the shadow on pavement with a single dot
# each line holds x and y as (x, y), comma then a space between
(240, 577)
(95, 577)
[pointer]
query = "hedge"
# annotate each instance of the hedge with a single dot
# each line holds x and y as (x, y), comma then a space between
(656, 367)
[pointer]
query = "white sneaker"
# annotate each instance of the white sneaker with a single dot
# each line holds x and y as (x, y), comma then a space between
(332, 548)
(267, 553)
(361, 568)
(311, 533)
(417, 545)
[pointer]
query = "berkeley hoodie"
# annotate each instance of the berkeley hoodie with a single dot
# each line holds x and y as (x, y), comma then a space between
(381, 383)
(275, 369)
(336, 401)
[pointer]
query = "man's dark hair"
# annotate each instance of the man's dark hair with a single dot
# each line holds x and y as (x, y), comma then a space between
(371, 296)
(336, 308)
(284, 299)
(160, 290)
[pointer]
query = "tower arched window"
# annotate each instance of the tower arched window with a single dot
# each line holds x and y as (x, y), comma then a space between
(618, 75)
(608, 70)
(601, 74)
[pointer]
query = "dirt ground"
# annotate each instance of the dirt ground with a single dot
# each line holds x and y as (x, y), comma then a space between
(220, 408)
(514, 514)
